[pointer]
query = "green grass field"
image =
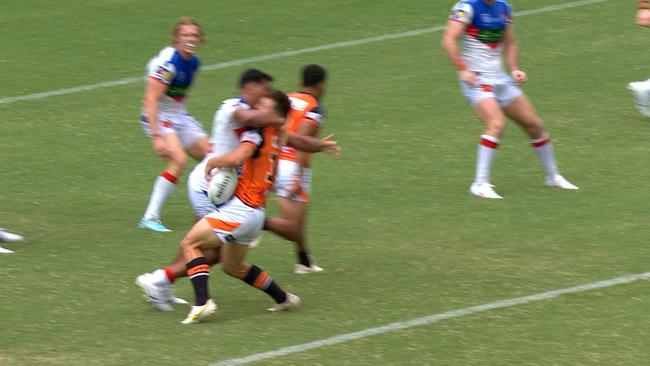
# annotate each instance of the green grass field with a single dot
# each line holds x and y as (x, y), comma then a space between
(391, 221)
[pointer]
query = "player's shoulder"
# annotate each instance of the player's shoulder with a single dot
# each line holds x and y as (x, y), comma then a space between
(236, 102)
(302, 101)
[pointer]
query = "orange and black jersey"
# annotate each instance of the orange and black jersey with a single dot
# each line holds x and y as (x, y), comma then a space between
(258, 173)
(304, 109)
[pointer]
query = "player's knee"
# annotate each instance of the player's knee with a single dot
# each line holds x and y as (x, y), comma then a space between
(495, 128)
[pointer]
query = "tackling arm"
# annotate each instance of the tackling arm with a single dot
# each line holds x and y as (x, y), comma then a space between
(257, 118)
(231, 159)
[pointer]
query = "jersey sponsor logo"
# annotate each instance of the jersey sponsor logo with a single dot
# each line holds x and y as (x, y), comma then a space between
(459, 15)
(486, 88)
(164, 73)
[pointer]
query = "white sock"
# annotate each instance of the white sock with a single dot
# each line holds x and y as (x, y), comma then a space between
(160, 278)
(544, 150)
(487, 148)
(163, 187)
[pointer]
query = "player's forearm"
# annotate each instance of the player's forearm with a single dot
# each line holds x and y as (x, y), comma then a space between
(512, 56)
(450, 46)
(258, 118)
(304, 143)
(151, 111)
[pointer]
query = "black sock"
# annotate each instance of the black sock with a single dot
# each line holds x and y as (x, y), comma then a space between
(303, 257)
(257, 278)
(198, 271)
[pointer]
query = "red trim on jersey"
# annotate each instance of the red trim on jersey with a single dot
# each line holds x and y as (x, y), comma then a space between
(490, 144)
(457, 20)
(166, 124)
(169, 177)
(178, 99)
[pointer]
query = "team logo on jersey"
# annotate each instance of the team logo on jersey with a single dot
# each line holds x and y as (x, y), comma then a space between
(459, 15)
(164, 73)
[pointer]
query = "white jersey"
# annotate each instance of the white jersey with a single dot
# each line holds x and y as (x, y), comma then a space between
(177, 73)
(485, 29)
(224, 138)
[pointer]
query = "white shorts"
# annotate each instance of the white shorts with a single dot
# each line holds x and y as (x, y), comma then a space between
(501, 87)
(284, 179)
(183, 125)
(201, 204)
(235, 222)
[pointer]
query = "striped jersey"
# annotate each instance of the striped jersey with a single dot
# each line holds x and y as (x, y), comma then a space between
(485, 29)
(169, 68)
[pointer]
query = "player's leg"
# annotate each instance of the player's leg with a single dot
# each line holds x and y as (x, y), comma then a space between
(489, 112)
(522, 112)
(199, 148)
(232, 263)
(165, 184)
(193, 138)
(199, 238)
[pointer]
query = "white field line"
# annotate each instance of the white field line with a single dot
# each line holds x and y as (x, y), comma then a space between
(255, 59)
(432, 319)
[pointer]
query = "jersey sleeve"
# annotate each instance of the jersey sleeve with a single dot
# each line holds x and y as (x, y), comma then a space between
(462, 12)
(253, 135)
(164, 73)
(315, 115)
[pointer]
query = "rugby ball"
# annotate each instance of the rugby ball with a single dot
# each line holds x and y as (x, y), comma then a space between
(221, 185)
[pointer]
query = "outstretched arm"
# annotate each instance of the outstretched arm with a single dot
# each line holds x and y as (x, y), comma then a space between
(312, 144)
(257, 118)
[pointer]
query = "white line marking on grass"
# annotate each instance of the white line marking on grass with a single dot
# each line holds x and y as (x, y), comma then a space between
(432, 319)
(254, 59)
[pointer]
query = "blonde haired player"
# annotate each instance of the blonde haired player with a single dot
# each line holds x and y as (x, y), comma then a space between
(487, 33)
(164, 117)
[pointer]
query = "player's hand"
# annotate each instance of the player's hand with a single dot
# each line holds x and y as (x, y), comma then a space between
(159, 145)
(468, 77)
(643, 17)
(329, 146)
(519, 76)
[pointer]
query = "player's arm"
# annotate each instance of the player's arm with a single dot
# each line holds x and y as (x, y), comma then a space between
(643, 14)
(312, 144)
(450, 38)
(232, 159)
(154, 90)
(511, 54)
(257, 118)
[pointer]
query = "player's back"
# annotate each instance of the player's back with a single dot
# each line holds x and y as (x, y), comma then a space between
(258, 173)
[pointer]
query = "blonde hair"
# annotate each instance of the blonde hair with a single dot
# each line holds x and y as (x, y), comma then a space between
(187, 21)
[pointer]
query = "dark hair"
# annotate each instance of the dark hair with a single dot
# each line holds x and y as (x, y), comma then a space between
(254, 76)
(282, 102)
(313, 74)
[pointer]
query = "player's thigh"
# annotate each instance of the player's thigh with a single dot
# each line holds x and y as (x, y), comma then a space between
(176, 152)
(521, 111)
(489, 112)
(201, 235)
(292, 210)
(199, 148)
